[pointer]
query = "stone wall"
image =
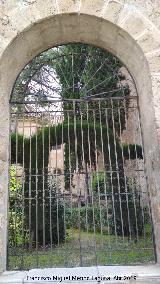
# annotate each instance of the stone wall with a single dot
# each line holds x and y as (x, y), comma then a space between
(130, 29)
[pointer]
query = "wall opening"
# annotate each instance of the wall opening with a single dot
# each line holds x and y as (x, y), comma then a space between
(78, 188)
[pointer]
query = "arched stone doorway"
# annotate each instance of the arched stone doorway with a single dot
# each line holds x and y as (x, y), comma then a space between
(77, 27)
(77, 193)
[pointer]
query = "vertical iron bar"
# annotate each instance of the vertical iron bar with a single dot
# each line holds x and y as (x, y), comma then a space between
(97, 174)
(50, 183)
(56, 183)
(44, 177)
(62, 174)
(36, 187)
(117, 167)
(129, 154)
(91, 182)
(30, 186)
(73, 71)
(16, 178)
(70, 170)
(123, 161)
(77, 183)
(105, 177)
(85, 169)
(111, 173)
(23, 197)
(137, 167)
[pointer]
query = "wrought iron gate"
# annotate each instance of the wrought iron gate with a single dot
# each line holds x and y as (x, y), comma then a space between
(78, 191)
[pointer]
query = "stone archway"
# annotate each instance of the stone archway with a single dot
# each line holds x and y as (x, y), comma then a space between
(44, 26)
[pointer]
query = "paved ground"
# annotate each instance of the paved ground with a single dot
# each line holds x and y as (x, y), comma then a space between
(102, 274)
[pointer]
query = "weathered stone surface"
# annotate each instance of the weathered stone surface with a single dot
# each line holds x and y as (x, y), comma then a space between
(93, 7)
(16, 277)
(7, 30)
(3, 218)
(70, 6)
(154, 62)
(156, 212)
(113, 11)
(1, 249)
(134, 24)
(3, 167)
(25, 13)
(148, 8)
(157, 237)
(89, 29)
(1, 221)
(156, 97)
(2, 195)
(150, 40)
(144, 274)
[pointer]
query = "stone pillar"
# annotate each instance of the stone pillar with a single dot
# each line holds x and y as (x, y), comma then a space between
(3, 213)
(153, 177)
(4, 170)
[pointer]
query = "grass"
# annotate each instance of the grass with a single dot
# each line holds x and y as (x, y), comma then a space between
(109, 250)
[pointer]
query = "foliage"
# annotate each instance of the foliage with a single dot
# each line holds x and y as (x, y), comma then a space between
(42, 163)
(100, 185)
(88, 218)
(119, 251)
(16, 220)
(125, 210)
(75, 71)
(80, 69)
(42, 210)
(32, 218)
(132, 151)
(70, 132)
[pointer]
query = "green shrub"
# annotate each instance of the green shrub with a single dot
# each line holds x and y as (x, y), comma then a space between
(88, 218)
(16, 220)
(47, 215)
(20, 231)
(124, 201)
